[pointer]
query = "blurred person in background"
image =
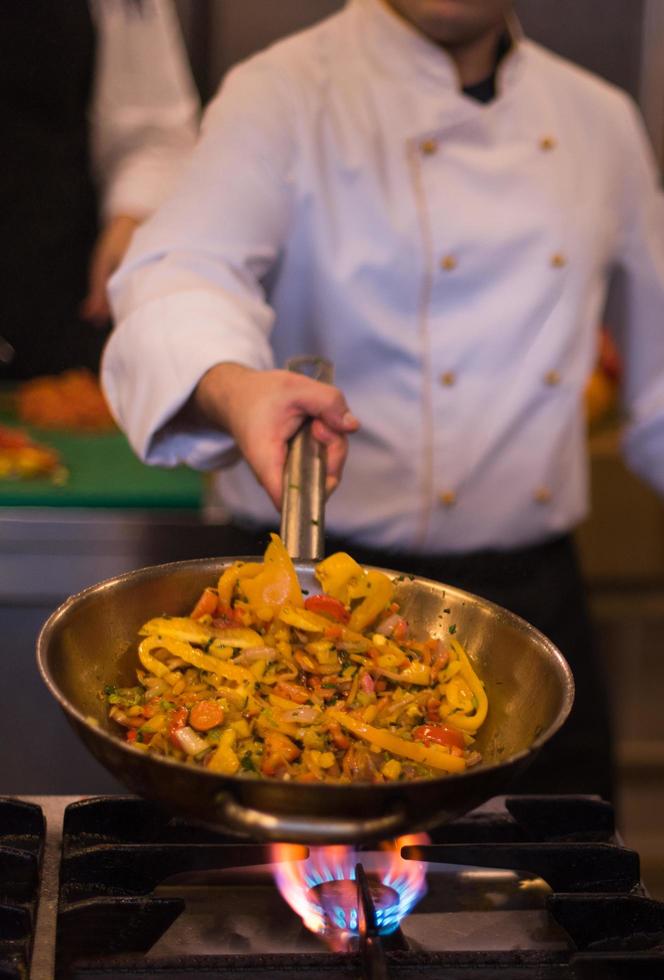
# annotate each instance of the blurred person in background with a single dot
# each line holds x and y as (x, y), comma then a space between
(434, 203)
(99, 113)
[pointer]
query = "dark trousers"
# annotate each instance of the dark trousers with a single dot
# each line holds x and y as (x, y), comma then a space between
(542, 584)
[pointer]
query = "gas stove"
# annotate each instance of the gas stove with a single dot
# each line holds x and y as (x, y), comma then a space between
(534, 888)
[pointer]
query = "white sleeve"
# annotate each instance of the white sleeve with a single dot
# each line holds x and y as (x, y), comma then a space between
(144, 111)
(188, 294)
(642, 260)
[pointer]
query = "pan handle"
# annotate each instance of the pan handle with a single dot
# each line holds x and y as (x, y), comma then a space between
(303, 495)
(311, 830)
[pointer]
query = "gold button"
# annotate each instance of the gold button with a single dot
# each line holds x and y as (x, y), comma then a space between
(542, 495)
(448, 378)
(448, 262)
(447, 498)
(429, 147)
(547, 143)
(552, 378)
(558, 260)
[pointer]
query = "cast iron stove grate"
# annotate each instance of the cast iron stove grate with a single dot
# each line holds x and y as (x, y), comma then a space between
(21, 845)
(114, 914)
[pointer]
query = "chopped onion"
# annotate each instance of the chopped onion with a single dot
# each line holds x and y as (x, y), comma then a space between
(367, 683)
(306, 715)
(390, 674)
(251, 654)
(386, 627)
(189, 741)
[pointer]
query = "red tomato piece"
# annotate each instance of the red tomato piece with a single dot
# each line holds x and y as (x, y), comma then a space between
(177, 720)
(327, 605)
(441, 734)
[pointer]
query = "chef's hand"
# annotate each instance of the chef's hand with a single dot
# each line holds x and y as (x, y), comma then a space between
(108, 252)
(263, 409)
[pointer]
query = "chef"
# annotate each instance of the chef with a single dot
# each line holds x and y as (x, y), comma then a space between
(420, 194)
(100, 113)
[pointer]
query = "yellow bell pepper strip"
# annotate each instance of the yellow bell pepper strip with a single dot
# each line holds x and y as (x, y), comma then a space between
(468, 723)
(276, 554)
(303, 619)
(275, 585)
(434, 756)
(230, 577)
(308, 622)
(151, 664)
(240, 637)
(417, 673)
(378, 591)
(227, 582)
(459, 695)
(335, 573)
(225, 761)
(209, 637)
(178, 628)
(203, 661)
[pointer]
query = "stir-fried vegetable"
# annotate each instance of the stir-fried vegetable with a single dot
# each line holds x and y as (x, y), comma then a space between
(259, 681)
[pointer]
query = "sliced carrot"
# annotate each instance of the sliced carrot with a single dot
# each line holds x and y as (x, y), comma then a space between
(206, 605)
(224, 615)
(292, 692)
(205, 715)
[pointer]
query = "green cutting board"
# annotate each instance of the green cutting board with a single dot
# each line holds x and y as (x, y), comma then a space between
(103, 472)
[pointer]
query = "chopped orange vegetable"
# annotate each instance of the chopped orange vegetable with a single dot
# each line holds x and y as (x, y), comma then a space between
(206, 715)
(206, 605)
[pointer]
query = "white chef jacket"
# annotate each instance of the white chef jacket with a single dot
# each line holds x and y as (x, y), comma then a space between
(144, 108)
(450, 257)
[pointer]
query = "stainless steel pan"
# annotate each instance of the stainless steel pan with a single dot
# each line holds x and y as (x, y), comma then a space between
(90, 641)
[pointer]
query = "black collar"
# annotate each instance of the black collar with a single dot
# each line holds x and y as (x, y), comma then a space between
(485, 90)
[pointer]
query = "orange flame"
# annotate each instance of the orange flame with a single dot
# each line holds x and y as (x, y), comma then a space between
(297, 877)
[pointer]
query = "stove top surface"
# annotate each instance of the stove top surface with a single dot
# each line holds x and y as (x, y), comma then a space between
(527, 887)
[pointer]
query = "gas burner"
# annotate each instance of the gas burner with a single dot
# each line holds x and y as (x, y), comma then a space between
(339, 902)
(321, 885)
(128, 891)
(22, 833)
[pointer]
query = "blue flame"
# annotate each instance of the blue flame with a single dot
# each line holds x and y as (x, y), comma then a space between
(297, 880)
(409, 891)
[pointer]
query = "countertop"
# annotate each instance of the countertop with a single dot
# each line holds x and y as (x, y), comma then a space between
(103, 472)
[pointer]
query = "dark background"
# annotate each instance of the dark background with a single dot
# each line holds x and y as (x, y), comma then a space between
(603, 35)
